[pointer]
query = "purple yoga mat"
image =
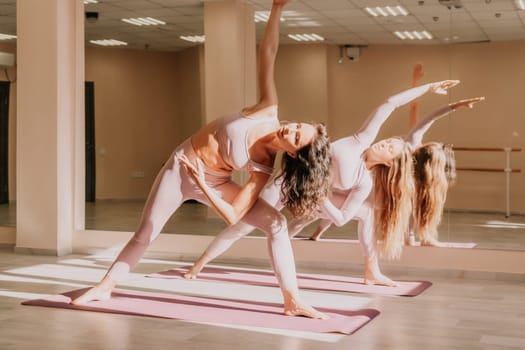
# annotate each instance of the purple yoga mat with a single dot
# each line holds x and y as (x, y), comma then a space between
(212, 310)
(306, 281)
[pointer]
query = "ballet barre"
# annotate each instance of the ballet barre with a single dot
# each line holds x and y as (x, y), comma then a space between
(507, 170)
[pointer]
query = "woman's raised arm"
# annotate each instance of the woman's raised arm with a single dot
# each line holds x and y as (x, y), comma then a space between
(268, 48)
(415, 135)
(377, 118)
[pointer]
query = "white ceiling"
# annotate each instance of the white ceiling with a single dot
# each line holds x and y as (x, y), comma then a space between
(341, 22)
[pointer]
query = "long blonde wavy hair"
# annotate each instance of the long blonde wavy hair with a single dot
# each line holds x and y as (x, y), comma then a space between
(393, 197)
(434, 172)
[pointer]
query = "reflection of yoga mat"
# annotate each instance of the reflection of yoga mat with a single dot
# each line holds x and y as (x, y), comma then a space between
(211, 310)
(455, 244)
(449, 244)
(306, 281)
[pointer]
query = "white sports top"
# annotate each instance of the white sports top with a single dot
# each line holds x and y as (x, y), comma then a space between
(232, 134)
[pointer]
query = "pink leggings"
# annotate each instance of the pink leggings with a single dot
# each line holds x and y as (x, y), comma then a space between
(271, 194)
(172, 187)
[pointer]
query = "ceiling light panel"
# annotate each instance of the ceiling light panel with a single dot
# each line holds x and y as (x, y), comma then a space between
(108, 42)
(386, 11)
(7, 36)
(144, 21)
(520, 4)
(306, 37)
(413, 35)
(86, 2)
(263, 16)
(194, 38)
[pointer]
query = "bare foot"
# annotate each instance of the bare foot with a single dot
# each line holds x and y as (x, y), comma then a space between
(323, 226)
(295, 307)
(92, 294)
(197, 267)
(373, 274)
(432, 242)
(315, 237)
(410, 241)
(379, 279)
(192, 273)
(101, 291)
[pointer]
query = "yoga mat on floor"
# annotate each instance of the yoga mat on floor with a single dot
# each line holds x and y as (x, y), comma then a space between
(306, 281)
(212, 310)
(449, 244)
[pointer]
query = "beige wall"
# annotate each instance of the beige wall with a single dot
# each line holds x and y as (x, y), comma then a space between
(493, 70)
(189, 94)
(301, 79)
(147, 103)
(136, 117)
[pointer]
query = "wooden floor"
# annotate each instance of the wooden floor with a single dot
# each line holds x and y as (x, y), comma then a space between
(460, 311)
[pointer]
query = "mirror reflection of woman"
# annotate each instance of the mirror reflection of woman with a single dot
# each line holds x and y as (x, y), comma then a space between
(434, 170)
(202, 166)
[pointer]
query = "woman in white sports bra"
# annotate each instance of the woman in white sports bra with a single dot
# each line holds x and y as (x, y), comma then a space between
(202, 166)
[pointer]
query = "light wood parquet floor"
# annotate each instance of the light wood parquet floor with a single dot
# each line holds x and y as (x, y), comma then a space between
(459, 311)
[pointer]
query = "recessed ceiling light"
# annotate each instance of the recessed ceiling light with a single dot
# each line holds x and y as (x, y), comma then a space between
(263, 16)
(86, 2)
(387, 11)
(520, 4)
(143, 21)
(194, 38)
(413, 35)
(306, 37)
(108, 42)
(7, 36)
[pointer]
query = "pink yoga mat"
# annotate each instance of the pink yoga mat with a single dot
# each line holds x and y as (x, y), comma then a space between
(449, 244)
(306, 281)
(212, 310)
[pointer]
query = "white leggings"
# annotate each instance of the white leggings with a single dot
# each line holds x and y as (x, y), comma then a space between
(173, 186)
(271, 194)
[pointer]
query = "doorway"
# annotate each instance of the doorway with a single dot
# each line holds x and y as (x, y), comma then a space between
(4, 141)
(91, 169)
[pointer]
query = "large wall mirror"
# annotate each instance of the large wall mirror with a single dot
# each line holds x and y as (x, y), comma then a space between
(146, 97)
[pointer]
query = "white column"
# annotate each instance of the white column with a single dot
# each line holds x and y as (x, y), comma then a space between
(50, 95)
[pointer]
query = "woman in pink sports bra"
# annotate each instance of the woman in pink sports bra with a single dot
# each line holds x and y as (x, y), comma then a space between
(202, 166)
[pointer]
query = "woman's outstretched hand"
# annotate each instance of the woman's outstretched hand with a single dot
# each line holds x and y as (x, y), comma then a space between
(196, 170)
(441, 87)
(469, 102)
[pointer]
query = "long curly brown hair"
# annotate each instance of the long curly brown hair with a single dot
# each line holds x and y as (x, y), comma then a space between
(393, 197)
(306, 178)
(434, 172)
